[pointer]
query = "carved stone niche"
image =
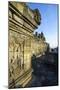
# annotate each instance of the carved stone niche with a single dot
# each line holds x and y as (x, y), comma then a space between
(37, 16)
(34, 15)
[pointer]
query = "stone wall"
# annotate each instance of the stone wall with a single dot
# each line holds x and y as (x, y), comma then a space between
(22, 43)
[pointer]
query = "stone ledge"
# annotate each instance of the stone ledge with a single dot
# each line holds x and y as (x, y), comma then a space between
(21, 79)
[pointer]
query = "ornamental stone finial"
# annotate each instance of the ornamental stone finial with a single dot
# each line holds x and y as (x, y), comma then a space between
(37, 16)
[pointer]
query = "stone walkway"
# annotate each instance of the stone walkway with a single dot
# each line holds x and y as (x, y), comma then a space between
(45, 73)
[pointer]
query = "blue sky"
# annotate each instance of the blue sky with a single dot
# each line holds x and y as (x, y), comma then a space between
(49, 21)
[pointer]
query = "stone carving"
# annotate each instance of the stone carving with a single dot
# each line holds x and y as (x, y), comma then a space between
(22, 43)
(37, 16)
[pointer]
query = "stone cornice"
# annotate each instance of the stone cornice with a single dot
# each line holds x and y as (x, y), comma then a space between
(14, 26)
(14, 10)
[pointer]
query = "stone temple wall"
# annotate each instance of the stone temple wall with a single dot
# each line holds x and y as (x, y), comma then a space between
(22, 44)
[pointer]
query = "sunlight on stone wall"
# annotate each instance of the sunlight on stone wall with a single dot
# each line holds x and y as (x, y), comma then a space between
(22, 43)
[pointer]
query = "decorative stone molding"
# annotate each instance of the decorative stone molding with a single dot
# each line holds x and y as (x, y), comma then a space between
(22, 43)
